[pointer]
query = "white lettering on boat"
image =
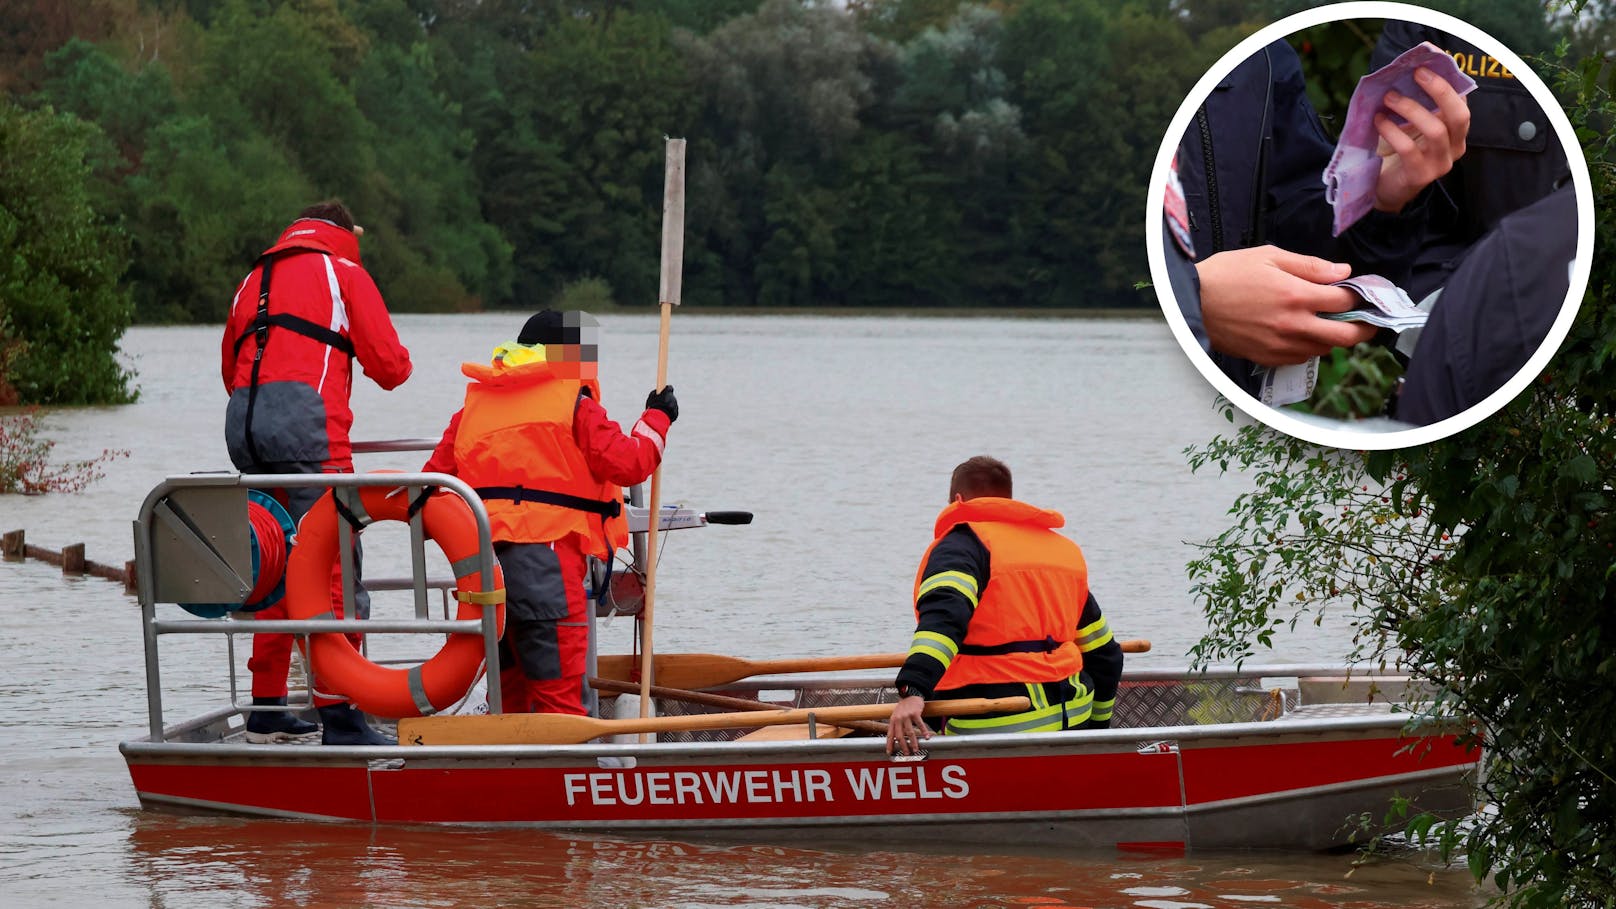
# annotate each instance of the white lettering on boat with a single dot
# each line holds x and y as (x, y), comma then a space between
(690, 787)
(906, 782)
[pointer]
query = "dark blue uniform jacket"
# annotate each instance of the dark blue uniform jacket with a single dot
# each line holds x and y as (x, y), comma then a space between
(1512, 157)
(1494, 312)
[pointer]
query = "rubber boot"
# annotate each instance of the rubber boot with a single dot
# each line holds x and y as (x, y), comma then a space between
(343, 725)
(269, 727)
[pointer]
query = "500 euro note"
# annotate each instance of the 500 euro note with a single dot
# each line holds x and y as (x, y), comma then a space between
(1354, 169)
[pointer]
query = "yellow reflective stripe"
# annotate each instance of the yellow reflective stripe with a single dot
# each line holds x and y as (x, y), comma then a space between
(934, 645)
(1092, 636)
(1102, 709)
(958, 580)
(1036, 694)
(1046, 718)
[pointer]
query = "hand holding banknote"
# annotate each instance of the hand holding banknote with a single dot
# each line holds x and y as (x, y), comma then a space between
(1424, 148)
(1263, 304)
(1406, 125)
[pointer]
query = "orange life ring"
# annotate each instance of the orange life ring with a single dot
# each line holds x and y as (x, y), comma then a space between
(339, 668)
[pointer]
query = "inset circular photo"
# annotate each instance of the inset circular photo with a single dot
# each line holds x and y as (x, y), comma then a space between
(1370, 225)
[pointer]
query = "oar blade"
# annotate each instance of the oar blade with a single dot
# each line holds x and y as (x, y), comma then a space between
(678, 670)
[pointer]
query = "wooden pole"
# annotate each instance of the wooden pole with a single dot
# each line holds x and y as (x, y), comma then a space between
(673, 253)
(709, 670)
(566, 729)
(718, 700)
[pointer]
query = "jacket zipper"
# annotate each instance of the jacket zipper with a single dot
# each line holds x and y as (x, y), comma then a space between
(1211, 181)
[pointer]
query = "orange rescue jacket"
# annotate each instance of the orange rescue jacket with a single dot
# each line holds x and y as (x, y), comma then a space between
(515, 447)
(1026, 617)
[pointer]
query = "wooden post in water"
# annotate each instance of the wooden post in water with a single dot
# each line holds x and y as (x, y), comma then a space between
(73, 558)
(14, 548)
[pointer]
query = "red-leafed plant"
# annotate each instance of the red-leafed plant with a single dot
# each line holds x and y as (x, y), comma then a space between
(25, 459)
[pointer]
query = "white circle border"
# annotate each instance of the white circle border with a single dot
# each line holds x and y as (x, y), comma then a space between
(1350, 438)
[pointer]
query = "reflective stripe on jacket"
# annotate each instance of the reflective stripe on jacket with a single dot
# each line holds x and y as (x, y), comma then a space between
(514, 444)
(1025, 620)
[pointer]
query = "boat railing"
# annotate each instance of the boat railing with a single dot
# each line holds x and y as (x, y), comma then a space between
(191, 543)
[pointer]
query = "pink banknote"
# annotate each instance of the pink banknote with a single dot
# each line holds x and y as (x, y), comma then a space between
(1349, 180)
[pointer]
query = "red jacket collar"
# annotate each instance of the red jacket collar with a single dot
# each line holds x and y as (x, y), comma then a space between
(989, 508)
(322, 236)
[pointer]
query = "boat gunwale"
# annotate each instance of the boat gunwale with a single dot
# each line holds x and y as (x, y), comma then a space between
(1387, 719)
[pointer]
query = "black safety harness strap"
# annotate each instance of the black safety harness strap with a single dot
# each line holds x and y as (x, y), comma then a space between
(262, 321)
(260, 330)
(1047, 645)
(302, 326)
(609, 508)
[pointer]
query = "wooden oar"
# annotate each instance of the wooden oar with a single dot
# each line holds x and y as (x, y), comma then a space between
(718, 700)
(708, 670)
(673, 252)
(565, 729)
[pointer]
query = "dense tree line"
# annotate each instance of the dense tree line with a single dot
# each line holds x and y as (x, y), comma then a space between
(508, 153)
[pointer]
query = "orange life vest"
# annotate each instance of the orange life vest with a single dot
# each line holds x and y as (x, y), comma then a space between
(1026, 618)
(515, 447)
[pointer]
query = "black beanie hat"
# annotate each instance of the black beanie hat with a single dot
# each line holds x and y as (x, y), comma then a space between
(549, 326)
(545, 327)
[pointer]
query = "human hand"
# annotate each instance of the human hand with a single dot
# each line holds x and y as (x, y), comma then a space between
(1417, 153)
(906, 730)
(1263, 303)
(664, 401)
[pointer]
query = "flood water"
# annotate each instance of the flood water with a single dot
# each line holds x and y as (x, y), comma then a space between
(838, 433)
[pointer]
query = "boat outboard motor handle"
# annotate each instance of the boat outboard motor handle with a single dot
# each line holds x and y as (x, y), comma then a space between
(680, 517)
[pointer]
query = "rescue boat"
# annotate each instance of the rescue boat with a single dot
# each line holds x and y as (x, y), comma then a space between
(1284, 756)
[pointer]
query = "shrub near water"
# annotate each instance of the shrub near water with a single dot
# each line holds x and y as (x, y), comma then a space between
(25, 459)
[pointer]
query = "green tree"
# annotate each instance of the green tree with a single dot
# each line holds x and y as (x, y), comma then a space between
(607, 92)
(204, 207)
(784, 92)
(61, 307)
(1482, 563)
(1096, 90)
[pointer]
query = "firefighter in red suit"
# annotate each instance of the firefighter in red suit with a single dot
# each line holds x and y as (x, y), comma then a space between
(304, 313)
(550, 466)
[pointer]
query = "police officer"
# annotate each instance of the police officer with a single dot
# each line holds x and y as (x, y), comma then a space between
(996, 569)
(1512, 157)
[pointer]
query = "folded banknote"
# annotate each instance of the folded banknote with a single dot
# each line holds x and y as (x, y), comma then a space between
(1354, 169)
(1384, 304)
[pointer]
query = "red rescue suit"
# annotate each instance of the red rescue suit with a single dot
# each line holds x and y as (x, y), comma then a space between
(550, 466)
(286, 360)
(322, 312)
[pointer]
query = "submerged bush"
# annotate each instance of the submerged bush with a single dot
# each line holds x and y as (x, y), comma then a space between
(25, 459)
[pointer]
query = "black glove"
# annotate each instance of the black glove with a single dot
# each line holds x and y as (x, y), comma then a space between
(664, 401)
